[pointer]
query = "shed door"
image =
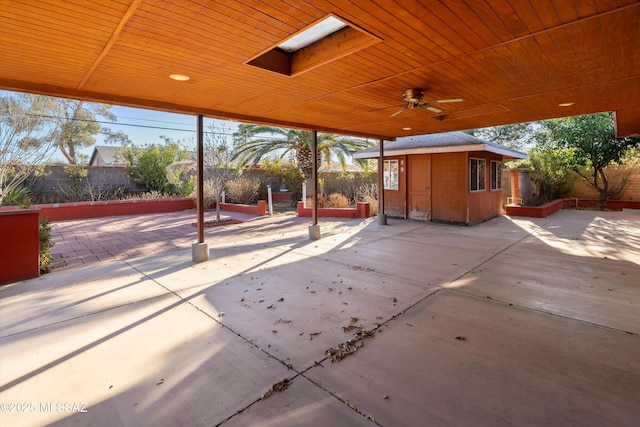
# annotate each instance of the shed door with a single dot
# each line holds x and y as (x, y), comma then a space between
(419, 188)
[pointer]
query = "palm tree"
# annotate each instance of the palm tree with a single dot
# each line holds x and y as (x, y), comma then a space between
(252, 145)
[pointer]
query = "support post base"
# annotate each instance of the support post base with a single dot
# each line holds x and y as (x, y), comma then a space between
(382, 219)
(314, 232)
(199, 252)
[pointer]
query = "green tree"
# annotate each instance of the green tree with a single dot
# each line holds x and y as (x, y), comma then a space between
(593, 143)
(25, 139)
(519, 136)
(148, 165)
(76, 125)
(549, 171)
(253, 143)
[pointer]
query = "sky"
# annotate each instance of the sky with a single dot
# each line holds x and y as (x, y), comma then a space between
(148, 126)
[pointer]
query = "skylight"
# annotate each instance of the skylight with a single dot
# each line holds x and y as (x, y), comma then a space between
(318, 31)
(329, 39)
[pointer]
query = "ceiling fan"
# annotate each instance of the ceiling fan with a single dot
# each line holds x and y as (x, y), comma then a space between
(413, 97)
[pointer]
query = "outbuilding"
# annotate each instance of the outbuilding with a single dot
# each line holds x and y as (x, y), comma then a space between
(448, 177)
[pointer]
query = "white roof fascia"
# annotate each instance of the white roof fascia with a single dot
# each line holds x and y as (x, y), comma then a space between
(444, 149)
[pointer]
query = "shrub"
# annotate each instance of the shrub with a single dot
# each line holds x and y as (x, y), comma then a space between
(148, 166)
(337, 200)
(549, 171)
(79, 189)
(181, 179)
(46, 243)
(368, 193)
(322, 202)
(88, 193)
(19, 196)
(243, 190)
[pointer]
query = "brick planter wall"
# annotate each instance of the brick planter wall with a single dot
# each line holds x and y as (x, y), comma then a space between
(547, 209)
(80, 210)
(259, 210)
(362, 210)
(20, 248)
(542, 211)
(281, 197)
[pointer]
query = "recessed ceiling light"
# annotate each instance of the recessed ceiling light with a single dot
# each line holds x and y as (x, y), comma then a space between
(179, 77)
(407, 128)
(566, 104)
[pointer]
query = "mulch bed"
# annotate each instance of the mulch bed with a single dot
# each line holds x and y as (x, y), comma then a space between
(214, 223)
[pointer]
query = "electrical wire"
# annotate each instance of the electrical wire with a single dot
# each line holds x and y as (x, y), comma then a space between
(104, 122)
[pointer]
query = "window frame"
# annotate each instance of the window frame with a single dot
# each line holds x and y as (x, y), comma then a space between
(495, 170)
(480, 184)
(388, 179)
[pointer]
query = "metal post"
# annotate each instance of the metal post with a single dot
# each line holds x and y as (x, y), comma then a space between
(270, 199)
(200, 250)
(314, 228)
(304, 194)
(382, 217)
(314, 177)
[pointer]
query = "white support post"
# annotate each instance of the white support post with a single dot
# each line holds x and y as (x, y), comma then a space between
(304, 194)
(270, 200)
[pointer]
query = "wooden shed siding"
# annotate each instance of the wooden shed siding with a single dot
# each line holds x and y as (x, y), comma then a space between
(395, 201)
(449, 187)
(484, 204)
(419, 187)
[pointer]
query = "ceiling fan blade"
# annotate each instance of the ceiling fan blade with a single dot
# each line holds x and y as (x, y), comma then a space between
(399, 111)
(447, 101)
(427, 106)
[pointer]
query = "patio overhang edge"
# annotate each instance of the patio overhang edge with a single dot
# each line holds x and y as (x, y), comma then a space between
(504, 152)
(122, 100)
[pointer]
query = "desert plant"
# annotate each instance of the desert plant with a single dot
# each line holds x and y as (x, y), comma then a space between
(88, 193)
(19, 196)
(368, 193)
(337, 200)
(322, 202)
(25, 139)
(46, 243)
(243, 190)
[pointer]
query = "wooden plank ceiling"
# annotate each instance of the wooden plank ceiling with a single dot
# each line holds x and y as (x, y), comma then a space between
(511, 60)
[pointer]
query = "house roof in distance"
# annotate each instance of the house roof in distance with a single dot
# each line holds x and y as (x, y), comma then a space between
(449, 142)
(109, 155)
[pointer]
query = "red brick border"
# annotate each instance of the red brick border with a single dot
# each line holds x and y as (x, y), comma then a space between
(547, 209)
(80, 210)
(362, 210)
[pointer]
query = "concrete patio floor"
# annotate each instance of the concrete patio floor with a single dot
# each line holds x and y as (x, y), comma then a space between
(516, 321)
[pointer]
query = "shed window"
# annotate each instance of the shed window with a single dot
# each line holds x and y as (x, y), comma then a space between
(477, 174)
(496, 175)
(390, 178)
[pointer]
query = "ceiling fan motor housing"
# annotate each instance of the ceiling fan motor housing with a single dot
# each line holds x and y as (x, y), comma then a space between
(413, 96)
